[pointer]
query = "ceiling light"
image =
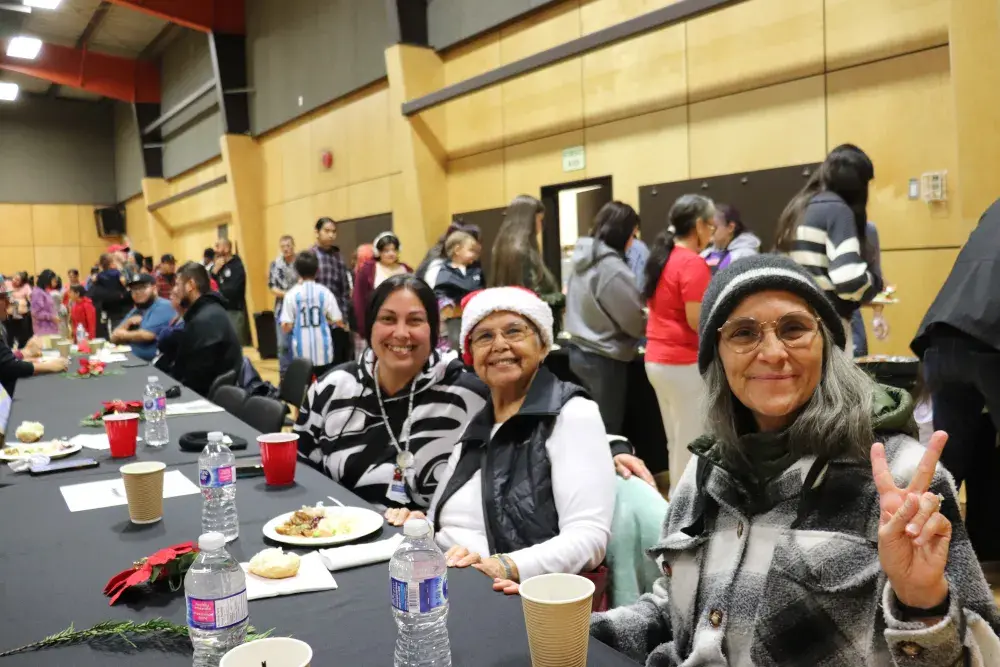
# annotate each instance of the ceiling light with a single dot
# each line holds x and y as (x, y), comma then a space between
(24, 47)
(8, 91)
(42, 4)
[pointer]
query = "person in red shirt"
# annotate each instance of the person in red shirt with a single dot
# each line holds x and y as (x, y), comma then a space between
(676, 278)
(81, 312)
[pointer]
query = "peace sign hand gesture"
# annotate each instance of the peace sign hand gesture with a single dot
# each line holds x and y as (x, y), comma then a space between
(913, 536)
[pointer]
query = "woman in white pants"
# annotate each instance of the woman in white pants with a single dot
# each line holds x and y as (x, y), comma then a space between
(676, 278)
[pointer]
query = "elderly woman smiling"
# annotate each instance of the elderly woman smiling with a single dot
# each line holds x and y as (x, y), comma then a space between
(791, 538)
(532, 481)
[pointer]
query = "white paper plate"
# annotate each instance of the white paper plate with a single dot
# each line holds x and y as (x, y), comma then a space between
(6, 455)
(365, 522)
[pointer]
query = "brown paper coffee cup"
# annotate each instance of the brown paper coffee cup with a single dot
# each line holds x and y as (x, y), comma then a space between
(557, 617)
(144, 490)
(64, 347)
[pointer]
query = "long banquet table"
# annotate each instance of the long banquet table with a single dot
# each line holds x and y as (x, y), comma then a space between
(54, 563)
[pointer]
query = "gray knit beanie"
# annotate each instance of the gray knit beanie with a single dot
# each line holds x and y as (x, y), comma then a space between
(750, 275)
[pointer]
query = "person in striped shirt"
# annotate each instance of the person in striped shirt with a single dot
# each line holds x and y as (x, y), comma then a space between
(823, 229)
(307, 313)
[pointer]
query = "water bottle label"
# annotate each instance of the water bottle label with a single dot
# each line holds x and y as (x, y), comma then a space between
(216, 477)
(158, 404)
(419, 598)
(217, 614)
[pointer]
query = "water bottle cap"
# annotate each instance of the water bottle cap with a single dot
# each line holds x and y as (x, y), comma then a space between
(416, 527)
(152, 378)
(215, 436)
(211, 541)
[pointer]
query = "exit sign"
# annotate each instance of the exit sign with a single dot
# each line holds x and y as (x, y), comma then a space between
(574, 159)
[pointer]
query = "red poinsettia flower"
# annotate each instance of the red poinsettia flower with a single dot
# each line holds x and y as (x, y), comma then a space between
(142, 571)
(83, 371)
(84, 363)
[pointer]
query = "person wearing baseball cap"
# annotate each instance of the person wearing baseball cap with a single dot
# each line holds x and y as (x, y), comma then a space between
(539, 449)
(149, 317)
(792, 520)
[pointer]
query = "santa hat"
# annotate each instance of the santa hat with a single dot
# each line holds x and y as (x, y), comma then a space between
(479, 305)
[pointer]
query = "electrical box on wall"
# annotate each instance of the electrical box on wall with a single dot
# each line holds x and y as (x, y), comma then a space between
(934, 186)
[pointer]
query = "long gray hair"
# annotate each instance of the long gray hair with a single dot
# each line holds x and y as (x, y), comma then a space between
(836, 421)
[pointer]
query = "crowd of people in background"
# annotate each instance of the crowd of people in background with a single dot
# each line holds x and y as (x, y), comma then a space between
(432, 397)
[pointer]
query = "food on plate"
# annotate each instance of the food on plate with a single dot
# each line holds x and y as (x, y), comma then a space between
(46, 448)
(313, 522)
(30, 432)
(274, 564)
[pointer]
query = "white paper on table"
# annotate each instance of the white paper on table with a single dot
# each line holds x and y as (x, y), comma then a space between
(200, 406)
(108, 357)
(355, 555)
(111, 492)
(312, 576)
(91, 440)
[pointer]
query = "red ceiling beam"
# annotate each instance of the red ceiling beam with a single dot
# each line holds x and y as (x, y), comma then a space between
(110, 76)
(228, 16)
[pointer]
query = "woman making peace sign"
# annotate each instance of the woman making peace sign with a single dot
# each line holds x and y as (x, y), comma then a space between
(792, 540)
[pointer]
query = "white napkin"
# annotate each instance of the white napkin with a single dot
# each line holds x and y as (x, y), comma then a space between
(23, 465)
(355, 555)
(196, 407)
(312, 576)
(91, 440)
(106, 357)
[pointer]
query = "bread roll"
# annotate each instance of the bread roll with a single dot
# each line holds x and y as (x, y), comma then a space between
(274, 564)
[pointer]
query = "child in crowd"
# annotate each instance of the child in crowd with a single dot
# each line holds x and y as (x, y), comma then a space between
(81, 311)
(459, 276)
(308, 311)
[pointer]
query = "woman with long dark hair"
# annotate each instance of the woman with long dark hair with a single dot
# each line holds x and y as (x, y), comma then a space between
(731, 239)
(676, 279)
(383, 265)
(517, 259)
(823, 229)
(44, 315)
(604, 311)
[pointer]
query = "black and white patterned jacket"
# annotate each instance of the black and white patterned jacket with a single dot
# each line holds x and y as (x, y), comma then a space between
(342, 433)
(798, 584)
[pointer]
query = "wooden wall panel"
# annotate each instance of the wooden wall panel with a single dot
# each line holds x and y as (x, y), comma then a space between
(135, 216)
(599, 14)
(272, 155)
(15, 225)
(753, 44)
(58, 258)
(369, 145)
(901, 112)
(298, 220)
(473, 123)
(548, 101)
(918, 274)
(55, 225)
(136, 228)
(274, 229)
(90, 256)
(530, 166)
(330, 204)
(635, 77)
(770, 127)
(476, 182)
(860, 31)
(638, 151)
(369, 198)
(295, 168)
(14, 258)
(190, 242)
(329, 131)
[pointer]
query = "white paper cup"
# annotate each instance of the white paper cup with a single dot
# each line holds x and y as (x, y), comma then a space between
(557, 618)
(275, 651)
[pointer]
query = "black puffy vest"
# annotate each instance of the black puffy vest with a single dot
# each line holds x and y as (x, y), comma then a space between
(518, 505)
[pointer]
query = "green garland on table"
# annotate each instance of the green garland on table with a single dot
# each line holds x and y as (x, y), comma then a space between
(105, 373)
(158, 630)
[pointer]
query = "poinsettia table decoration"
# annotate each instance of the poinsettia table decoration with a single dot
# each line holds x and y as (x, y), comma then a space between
(166, 565)
(110, 408)
(91, 369)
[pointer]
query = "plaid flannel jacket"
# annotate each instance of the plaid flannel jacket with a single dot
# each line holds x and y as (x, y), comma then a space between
(281, 276)
(333, 275)
(799, 584)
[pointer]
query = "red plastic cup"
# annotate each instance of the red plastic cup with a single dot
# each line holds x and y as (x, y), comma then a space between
(278, 453)
(123, 430)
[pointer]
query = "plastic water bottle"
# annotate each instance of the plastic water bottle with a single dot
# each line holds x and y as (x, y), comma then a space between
(418, 579)
(154, 409)
(81, 334)
(217, 475)
(215, 595)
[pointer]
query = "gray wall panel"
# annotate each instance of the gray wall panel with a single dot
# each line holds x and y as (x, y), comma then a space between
(318, 50)
(192, 137)
(57, 151)
(452, 21)
(128, 153)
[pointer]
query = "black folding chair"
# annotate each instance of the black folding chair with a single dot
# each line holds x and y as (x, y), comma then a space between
(231, 399)
(264, 414)
(296, 381)
(227, 379)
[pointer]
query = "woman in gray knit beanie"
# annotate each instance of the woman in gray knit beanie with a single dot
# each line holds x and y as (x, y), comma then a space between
(792, 539)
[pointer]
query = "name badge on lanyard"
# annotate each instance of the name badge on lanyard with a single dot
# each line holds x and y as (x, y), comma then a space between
(397, 491)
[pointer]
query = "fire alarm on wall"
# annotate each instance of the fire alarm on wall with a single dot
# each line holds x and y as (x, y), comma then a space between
(326, 159)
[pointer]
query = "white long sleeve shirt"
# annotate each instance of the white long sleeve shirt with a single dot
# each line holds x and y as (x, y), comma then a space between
(583, 485)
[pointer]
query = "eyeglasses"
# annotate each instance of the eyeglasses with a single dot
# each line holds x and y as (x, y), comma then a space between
(515, 333)
(744, 334)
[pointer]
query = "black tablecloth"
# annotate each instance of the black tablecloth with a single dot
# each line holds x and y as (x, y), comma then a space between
(55, 564)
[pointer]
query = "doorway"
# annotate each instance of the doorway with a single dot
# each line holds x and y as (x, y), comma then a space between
(570, 209)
